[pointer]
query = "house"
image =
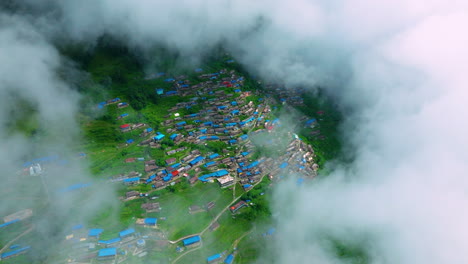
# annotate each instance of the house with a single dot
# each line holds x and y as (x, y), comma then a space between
(229, 259)
(107, 243)
(131, 180)
(196, 160)
(226, 181)
(18, 216)
(132, 194)
(210, 205)
(210, 164)
(151, 221)
(159, 137)
(214, 259)
(171, 160)
(95, 232)
(191, 241)
(125, 127)
(130, 160)
(150, 162)
(150, 168)
(127, 233)
(122, 105)
(237, 206)
(107, 253)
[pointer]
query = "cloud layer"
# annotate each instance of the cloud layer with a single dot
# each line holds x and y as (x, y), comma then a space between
(399, 65)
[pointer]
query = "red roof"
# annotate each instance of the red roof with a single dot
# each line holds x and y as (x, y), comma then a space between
(175, 173)
(124, 126)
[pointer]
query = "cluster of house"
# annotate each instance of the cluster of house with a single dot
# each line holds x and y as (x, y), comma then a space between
(218, 120)
(87, 244)
(298, 159)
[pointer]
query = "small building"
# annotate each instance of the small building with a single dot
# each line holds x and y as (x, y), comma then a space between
(110, 242)
(150, 168)
(171, 161)
(214, 258)
(130, 160)
(133, 180)
(151, 221)
(107, 253)
(141, 243)
(159, 137)
(151, 207)
(127, 233)
(229, 259)
(95, 232)
(226, 181)
(192, 241)
(237, 206)
(210, 205)
(125, 127)
(20, 215)
(132, 194)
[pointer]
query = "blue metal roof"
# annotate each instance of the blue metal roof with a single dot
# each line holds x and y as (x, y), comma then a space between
(129, 141)
(9, 223)
(181, 123)
(134, 179)
(110, 241)
(196, 160)
(107, 252)
(214, 257)
(212, 156)
(159, 136)
(95, 232)
(127, 232)
(211, 163)
(173, 136)
(191, 240)
(14, 252)
(229, 259)
(283, 165)
(219, 173)
(310, 121)
(151, 221)
(167, 178)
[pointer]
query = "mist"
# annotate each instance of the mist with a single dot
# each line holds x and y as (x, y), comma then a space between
(38, 108)
(400, 66)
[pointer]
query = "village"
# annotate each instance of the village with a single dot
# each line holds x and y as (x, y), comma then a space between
(210, 139)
